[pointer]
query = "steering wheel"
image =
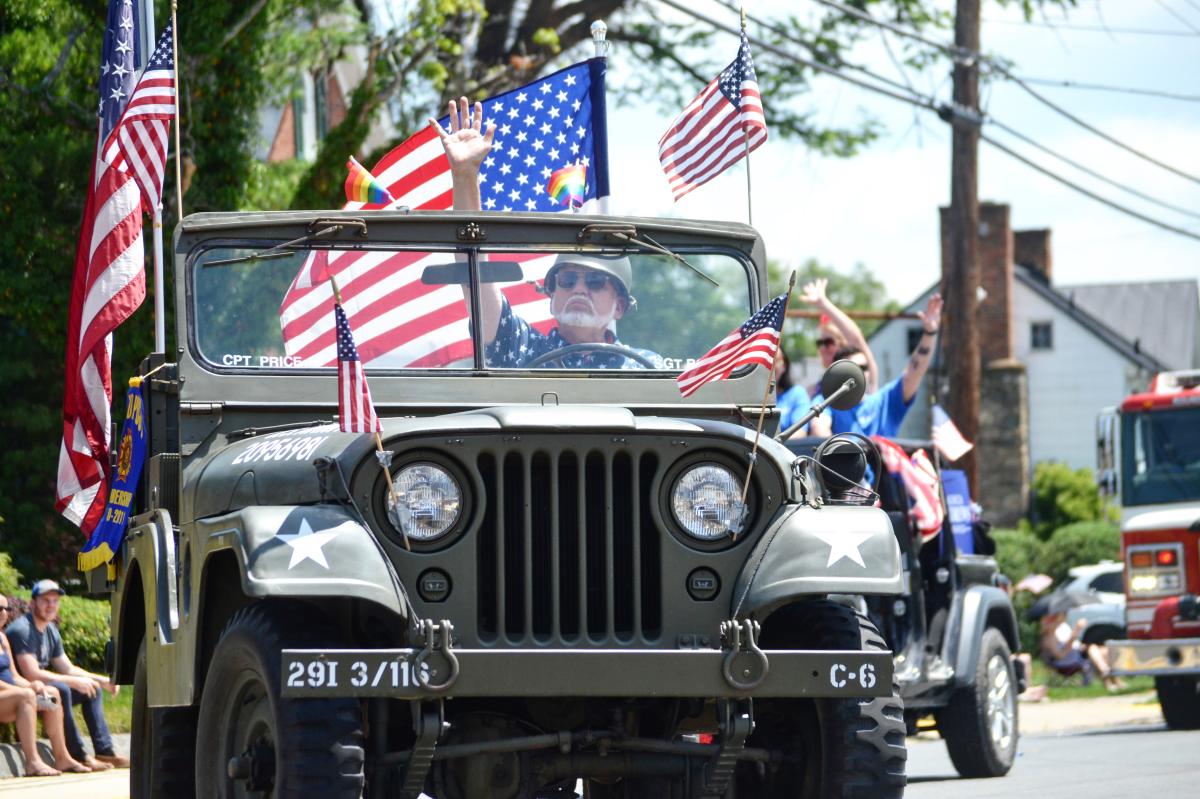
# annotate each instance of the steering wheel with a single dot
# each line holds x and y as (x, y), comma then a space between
(557, 356)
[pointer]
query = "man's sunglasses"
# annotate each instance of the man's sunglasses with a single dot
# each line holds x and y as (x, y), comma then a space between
(826, 342)
(595, 281)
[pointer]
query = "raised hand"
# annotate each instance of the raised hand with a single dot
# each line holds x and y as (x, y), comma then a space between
(931, 317)
(466, 143)
(814, 291)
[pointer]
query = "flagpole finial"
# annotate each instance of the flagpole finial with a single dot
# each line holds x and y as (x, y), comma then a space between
(599, 32)
(743, 8)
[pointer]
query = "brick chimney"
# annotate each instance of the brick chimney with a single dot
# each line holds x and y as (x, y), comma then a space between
(996, 278)
(1032, 248)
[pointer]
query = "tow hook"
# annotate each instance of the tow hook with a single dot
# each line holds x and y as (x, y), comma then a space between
(745, 665)
(438, 638)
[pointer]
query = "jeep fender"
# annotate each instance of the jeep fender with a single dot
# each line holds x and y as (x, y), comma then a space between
(149, 552)
(816, 551)
(976, 608)
(304, 551)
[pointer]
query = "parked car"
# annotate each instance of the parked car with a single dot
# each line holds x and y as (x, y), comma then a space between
(1106, 616)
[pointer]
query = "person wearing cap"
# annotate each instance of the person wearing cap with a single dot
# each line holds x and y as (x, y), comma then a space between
(588, 293)
(38, 649)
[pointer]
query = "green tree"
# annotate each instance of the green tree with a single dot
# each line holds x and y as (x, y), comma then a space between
(860, 290)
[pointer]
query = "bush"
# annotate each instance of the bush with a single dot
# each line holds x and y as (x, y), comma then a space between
(1018, 552)
(1062, 496)
(1078, 544)
(10, 578)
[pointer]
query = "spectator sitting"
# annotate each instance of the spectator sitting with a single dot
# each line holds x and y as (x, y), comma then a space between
(1064, 652)
(21, 699)
(38, 647)
(880, 413)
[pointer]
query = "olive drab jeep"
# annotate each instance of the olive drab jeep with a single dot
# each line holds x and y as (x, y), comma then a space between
(538, 580)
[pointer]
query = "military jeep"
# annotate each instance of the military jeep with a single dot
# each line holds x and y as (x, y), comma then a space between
(534, 579)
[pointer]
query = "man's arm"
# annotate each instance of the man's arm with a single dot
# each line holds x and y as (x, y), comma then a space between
(466, 145)
(814, 294)
(30, 670)
(918, 364)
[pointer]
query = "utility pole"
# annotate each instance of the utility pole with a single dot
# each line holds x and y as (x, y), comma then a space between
(960, 278)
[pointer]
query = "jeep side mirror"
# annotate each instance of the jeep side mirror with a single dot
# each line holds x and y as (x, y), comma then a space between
(456, 273)
(833, 379)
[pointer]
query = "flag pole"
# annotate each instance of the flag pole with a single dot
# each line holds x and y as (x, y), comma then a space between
(381, 455)
(746, 142)
(160, 316)
(762, 411)
(178, 154)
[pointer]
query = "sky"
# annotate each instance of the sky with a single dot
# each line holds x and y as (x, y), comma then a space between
(880, 208)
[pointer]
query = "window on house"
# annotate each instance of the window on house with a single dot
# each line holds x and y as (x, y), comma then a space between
(1041, 336)
(321, 103)
(914, 338)
(298, 125)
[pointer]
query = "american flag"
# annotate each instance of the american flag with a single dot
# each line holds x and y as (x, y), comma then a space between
(755, 342)
(356, 412)
(541, 127)
(717, 129)
(946, 437)
(139, 142)
(109, 284)
(920, 481)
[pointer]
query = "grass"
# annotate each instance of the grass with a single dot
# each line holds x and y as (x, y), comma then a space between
(1075, 689)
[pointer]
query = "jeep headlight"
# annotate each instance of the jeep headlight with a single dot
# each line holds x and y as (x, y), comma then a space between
(428, 501)
(706, 501)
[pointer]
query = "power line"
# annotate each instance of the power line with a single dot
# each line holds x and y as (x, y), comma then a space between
(1116, 206)
(1071, 84)
(1088, 171)
(1182, 19)
(1092, 28)
(1001, 69)
(944, 111)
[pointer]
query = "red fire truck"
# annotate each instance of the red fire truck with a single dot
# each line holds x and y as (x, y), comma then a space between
(1150, 459)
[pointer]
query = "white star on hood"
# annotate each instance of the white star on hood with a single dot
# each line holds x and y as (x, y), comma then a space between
(843, 544)
(307, 544)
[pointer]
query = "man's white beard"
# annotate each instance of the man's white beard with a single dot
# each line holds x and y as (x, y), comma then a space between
(580, 317)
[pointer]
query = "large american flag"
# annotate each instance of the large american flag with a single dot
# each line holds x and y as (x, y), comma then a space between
(541, 127)
(712, 132)
(755, 342)
(139, 142)
(920, 481)
(356, 412)
(109, 284)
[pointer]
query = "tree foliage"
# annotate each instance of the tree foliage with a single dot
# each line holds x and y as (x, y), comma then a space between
(859, 289)
(1063, 496)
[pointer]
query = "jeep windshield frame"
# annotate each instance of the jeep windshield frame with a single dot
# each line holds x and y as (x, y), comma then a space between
(200, 238)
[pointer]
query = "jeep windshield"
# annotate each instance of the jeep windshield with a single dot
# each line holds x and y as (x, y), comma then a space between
(410, 308)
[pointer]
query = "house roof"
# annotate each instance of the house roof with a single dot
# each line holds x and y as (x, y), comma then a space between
(1119, 339)
(1161, 317)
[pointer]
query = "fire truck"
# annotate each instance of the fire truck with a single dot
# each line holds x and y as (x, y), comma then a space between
(1149, 458)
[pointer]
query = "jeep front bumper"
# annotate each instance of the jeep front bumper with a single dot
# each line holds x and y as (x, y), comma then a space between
(709, 673)
(1157, 657)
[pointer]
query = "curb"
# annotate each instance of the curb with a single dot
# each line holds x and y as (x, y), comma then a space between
(12, 762)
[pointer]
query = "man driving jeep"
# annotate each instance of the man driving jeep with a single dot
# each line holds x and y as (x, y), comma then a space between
(588, 293)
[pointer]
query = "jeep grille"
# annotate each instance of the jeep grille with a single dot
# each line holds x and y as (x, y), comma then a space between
(568, 549)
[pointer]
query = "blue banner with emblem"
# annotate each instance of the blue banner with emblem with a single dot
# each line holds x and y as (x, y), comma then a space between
(958, 504)
(131, 452)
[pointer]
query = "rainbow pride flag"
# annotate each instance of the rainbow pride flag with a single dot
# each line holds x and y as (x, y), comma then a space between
(361, 186)
(568, 184)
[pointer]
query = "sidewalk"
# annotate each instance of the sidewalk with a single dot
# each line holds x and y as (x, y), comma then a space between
(12, 762)
(1073, 715)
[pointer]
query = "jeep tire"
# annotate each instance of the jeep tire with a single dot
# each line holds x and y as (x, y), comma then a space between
(979, 725)
(846, 748)
(280, 747)
(1180, 701)
(162, 744)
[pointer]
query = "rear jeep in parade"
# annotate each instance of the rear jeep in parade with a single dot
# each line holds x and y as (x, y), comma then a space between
(567, 586)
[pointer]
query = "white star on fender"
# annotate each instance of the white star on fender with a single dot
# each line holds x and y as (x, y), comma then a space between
(307, 545)
(843, 544)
